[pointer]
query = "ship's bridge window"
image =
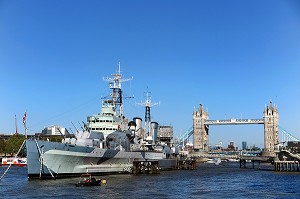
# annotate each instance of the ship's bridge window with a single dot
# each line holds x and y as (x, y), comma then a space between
(97, 120)
(93, 128)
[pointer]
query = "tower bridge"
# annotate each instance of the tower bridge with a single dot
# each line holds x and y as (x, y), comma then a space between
(201, 125)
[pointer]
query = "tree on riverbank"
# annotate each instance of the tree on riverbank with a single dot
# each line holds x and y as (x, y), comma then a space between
(2, 147)
(12, 145)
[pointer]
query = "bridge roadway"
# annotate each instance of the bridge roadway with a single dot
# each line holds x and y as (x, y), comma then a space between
(218, 155)
(234, 121)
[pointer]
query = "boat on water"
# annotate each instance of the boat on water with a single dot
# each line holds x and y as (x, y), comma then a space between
(108, 143)
(233, 160)
(216, 161)
(88, 180)
(15, 161)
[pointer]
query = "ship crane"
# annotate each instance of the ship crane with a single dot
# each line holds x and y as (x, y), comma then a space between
(115, 83)
(148, 104)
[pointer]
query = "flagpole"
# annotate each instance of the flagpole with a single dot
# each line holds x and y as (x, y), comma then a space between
(24, 122)
(16, 124)
(26, 132)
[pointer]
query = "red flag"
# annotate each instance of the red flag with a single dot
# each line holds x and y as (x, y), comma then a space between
(24, 119)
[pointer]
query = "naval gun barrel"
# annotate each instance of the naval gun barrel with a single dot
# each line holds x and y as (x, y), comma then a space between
(75, 128)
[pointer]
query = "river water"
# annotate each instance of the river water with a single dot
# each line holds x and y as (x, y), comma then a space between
(207, 181)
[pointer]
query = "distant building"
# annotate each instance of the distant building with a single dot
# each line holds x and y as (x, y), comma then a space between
(216, 147)
(54, 130)
(231, 147)
(165, 133)
(5, 136)
(244, 145)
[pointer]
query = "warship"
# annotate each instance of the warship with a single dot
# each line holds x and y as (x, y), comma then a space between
(108, 144)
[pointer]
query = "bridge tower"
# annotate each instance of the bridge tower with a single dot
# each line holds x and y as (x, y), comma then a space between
(200, 129)
(271, 117)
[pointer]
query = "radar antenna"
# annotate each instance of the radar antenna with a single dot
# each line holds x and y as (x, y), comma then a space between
(148, 104)
(115, 83)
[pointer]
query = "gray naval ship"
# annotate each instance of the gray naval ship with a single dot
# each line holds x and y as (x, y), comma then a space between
(109, 143)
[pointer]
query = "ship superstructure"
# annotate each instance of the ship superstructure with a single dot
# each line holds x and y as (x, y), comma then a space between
(111, 117)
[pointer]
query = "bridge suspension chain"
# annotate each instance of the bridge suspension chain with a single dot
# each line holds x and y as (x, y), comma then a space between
(288, 135)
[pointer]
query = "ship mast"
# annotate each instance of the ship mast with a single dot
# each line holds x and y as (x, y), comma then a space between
(115, 83)
(148, 104)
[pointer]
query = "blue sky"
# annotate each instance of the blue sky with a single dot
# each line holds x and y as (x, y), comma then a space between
(231, 56)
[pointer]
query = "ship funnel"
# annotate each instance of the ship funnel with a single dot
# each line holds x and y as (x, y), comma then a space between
(154, 129)
(132, 126)
(138, 122)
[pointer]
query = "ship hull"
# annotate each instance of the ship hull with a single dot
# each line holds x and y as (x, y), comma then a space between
(45, 159)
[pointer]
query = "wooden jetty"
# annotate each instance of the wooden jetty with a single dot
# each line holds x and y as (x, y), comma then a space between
(255, 159)
(288, 157)
(186, 164)
(288, 166)
(145, 167)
